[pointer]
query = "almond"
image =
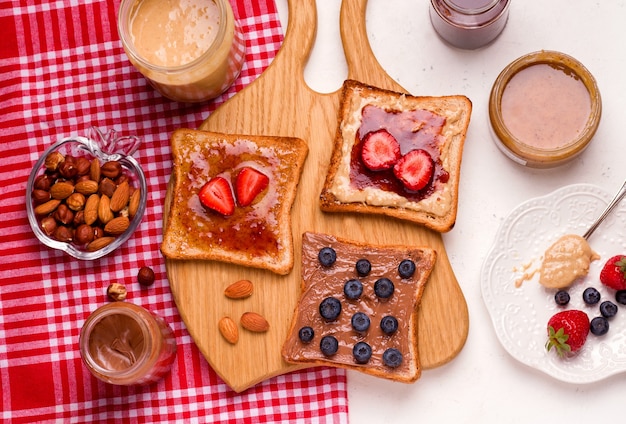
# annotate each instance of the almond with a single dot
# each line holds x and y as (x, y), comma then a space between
(104, 209)
(133, 203)
(120, 197)
(90, 213)
(99, 243)
(94, 170)
(117, 226)
(86, 187)
(47, 208)
(61, 190)
(252, 321)
(228, 329)
(239, 290)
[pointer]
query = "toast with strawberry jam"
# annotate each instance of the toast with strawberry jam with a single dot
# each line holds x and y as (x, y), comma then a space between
(232, 197)
(397, 155)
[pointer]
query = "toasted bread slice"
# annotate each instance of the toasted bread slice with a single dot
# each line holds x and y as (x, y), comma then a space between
(258, 235)
(321, 281)
(437, 125)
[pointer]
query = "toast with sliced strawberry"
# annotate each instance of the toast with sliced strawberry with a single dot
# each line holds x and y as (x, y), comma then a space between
(397, 155)
(231, 198)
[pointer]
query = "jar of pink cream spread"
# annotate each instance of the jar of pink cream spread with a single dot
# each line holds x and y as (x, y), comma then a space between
(544, 109)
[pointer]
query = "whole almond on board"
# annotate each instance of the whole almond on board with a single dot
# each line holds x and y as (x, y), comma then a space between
(47, 208)
(239, 290)
(252, 321)
(133, 203)
(111, 169)
(61, 190)
(120, 197)
(86, 187)
(228, 330)
(90, 213)
(99, 243)
(117, 226)
(104, 209)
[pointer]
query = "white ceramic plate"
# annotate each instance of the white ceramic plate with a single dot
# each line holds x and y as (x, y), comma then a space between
(520, 314)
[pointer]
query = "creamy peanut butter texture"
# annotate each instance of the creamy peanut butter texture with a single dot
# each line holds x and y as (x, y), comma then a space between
(173, 32)
(565, 261)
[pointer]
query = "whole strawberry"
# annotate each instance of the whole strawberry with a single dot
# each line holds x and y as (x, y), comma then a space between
(567, 331)
(613, 273)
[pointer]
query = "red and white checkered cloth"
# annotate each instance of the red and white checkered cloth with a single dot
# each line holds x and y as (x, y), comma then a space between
(62, 69)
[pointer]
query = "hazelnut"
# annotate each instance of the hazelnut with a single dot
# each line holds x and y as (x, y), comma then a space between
(76, 201)
(79, 218)
(145, 276)
(53, 160)
(40, 196)
(63, 233)
(116, 292)
(98, 232)
(42, 182)
(107, 187)
(111, 169)
(48, 225)
(83, 166)
(63, 214)
(68, 170)
(83, 234)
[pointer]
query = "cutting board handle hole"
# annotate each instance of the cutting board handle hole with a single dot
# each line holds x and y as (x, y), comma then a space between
(319, 77)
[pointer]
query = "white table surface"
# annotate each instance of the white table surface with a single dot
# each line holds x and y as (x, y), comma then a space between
(484, 383)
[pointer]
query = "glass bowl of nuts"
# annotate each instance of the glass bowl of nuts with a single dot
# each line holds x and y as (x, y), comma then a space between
(87, 195)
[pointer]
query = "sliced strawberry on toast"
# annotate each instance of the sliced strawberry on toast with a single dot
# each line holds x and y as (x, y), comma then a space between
(217, 195)
(415, 169)
(380, 150)
(250, 183)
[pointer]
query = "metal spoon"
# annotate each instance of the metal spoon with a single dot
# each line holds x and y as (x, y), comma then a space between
(618, 197)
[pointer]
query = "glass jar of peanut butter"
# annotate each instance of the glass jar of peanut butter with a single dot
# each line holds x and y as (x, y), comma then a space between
(125, 344)
(189, 50)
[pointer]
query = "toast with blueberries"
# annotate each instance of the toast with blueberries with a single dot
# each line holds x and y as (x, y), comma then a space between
(231, 198)
(397, 155)
(358, 307)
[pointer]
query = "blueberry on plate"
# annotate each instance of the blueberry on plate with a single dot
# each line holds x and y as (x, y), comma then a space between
(360, 322)
(591, 296)
(353, 289)
(389, 324)
(392, 357)
(327, 256)
(330, 308)
(306, 334)
(362, 352)
(608, 309)
(406, 269)
(561, 297)
(329, 345)
(383, 287)
(620, 297)
(599, 326)
(363, 267)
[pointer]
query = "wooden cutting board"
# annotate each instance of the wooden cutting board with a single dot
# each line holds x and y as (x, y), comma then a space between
(280, 103)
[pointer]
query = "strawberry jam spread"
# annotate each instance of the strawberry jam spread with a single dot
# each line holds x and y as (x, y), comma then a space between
(416, 129)
(328, 280)
(252, 229)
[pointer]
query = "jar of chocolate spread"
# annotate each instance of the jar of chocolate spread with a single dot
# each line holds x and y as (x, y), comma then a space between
(125, 344)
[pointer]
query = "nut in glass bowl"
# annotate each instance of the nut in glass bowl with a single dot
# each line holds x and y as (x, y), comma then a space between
(87, 195)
